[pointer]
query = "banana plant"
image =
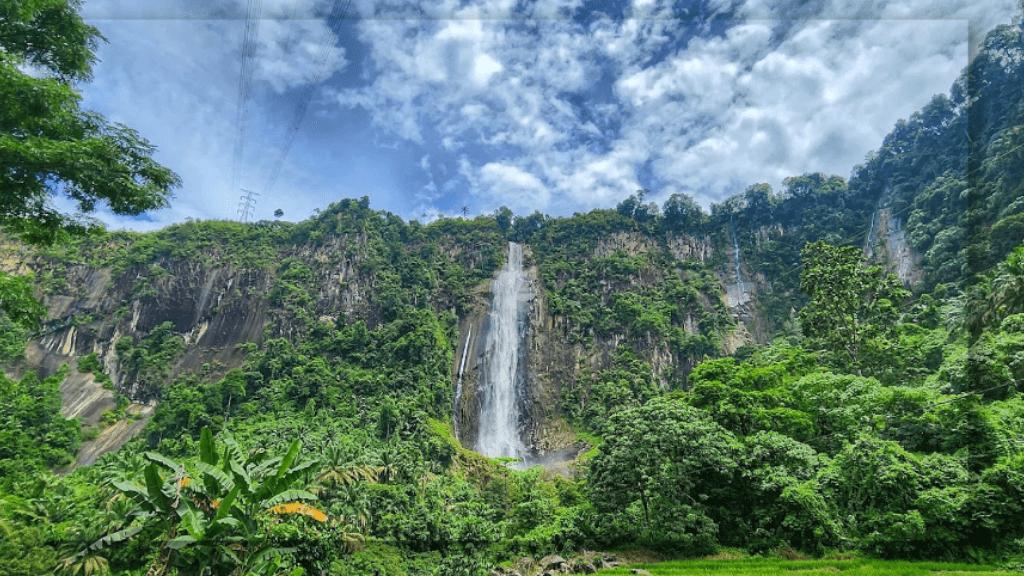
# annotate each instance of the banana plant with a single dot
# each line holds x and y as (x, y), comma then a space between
(215, 522)
(156, 503)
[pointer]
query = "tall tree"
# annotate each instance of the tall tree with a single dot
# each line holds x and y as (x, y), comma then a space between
(683, 214)
(851, 305)
(48, 145)
(995, 296)
(658, 466)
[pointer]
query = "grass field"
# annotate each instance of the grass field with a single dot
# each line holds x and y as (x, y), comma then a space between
(781, 567)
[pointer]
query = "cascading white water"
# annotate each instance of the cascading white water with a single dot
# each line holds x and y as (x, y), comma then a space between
(736, 294)
(736, 257)
(458, 383)
(499, 405)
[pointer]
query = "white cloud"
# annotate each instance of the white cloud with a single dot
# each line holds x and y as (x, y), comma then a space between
(292, 54)
(817, 102)
(509, 185)
(719, 113)
(521, 99)
(176, 82)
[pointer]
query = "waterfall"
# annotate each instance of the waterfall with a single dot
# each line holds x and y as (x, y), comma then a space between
(458, 383)
(736, 294)
(736, 255)
(499, 397)
(869, 244)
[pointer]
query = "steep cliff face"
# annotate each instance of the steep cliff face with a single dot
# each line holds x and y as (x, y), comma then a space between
(215, 304)
(549, 361)
(556, 361)
(467, 369)
(886, 242)
(746, 287)
(212, 308)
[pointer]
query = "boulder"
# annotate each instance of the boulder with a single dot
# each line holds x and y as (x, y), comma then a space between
(551, 561)
(584, 568)
(526, 565)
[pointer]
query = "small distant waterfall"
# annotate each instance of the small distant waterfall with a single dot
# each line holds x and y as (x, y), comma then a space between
(736, 294)
(502, 374)
(458, 382)
(869, 240)
(736, 257)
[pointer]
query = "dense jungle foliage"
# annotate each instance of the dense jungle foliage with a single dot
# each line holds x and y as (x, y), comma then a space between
(880, 418)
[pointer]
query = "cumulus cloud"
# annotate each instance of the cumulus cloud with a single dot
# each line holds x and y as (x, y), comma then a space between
(176, 81)
(747, 107)
(710, 114)
(539, 106)
(291, 54)
(509, 185)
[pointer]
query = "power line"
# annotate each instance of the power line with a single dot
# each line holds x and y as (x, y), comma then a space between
(247, 205)
(252, 29)
(333, 26)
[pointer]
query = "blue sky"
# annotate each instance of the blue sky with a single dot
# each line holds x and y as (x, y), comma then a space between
(559, 106)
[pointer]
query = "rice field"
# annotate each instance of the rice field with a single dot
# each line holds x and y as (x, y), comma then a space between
(782, 567)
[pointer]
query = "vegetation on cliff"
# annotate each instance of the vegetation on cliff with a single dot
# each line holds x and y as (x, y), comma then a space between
(876, 418)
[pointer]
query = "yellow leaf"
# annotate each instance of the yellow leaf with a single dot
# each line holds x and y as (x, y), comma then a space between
(299, 508)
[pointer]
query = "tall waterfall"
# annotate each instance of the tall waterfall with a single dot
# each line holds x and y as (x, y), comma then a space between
(458, 383)
(736, 254)
(502, 378)
(736, 294)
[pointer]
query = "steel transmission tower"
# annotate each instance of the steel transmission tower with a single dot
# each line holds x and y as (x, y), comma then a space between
(247, 205)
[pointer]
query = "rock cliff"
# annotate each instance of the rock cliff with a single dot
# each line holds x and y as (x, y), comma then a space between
(216, 304)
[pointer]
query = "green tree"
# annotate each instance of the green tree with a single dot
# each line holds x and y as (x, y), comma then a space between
(778, 500)
(17, 305)
(683, 214)
(662, 461)
(48, 145)
(852, 306)
(33, 433)
(503, 216)
(995, 296)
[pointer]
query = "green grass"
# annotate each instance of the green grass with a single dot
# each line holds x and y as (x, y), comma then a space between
(780, 567)
(594, 440)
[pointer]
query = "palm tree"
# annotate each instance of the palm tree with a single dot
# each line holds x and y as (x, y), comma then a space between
(1008, 285)
(354, 505)
(998, 294)
(388, 464)
(75, 556)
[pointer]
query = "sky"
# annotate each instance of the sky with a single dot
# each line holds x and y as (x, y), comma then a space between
(448, 107)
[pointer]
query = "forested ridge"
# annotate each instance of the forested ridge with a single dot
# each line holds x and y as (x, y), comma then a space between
(303, 374)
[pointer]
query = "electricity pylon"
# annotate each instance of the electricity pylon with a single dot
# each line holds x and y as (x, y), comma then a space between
(247, 205)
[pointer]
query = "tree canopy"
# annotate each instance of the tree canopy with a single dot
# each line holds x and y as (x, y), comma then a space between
(48, 145)
(852, 305)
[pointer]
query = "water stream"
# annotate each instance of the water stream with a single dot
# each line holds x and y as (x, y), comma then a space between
(458, 383)
(736, 257)
(502, 371)
(736, 294)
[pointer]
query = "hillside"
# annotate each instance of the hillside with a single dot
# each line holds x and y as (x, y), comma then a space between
(831, 366)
